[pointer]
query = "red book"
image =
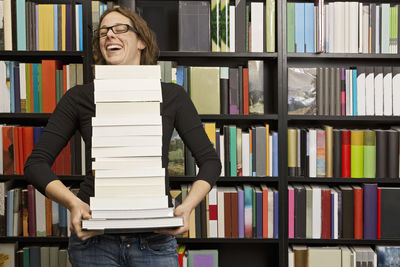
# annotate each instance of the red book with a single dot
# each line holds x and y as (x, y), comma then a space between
(358, 212)
(245, 91)
(235, 215)
(346, 153)
(8, 150)
(64, 67)
(379, 215)
(265, 210)
(326, 213)
(227, 214)
(48, 217)
(31, 211)
(27, 140)
(49, 68)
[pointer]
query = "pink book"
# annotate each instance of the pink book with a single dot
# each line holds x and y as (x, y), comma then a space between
(291, 211)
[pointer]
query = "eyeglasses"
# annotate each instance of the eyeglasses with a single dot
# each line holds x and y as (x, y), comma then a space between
(117, 29)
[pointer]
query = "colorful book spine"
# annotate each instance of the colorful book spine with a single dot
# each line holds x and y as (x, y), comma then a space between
(369, 154)
(357, 154)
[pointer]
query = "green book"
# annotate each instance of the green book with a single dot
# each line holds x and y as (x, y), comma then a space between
(215, 41)
(25, 255)
(40, 89)
(290, 27)
(224, 25)
(232, 135)
(369, 154)
(28, 88)
(357, 154)
(270, 25)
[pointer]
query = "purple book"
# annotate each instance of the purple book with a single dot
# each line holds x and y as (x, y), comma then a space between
(17, 92)
(203, 260)
(276, 214)
(370, 210)
(241, 211)
(68, 26)
(233, 91)
(259, 213)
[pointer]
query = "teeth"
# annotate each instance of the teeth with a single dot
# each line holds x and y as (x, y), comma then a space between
(112, 47)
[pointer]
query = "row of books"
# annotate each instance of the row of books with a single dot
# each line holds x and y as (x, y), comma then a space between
(358, 91)
(29, 213)
(17, 143)
(342, 27)
(98, 8)
(44, 256)
(36, 87)
(247, 211)
(41, 27)
(197, 258)
(220, 90)
(344, 153)
(359, 212)
(343, 256)
(229, 24)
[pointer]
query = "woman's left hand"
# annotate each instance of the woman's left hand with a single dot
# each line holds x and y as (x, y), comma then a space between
(180, 211)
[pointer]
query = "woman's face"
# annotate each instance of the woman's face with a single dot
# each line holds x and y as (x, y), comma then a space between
(122, 48)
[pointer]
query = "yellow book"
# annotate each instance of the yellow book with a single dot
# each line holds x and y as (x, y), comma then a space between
(46, 27)
(204, 89)
(63, 27)
(209, 127)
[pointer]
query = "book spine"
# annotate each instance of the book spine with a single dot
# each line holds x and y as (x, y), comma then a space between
(369, 154)
(357, 154)
(329, 151)
(292, 152)
(326, 213)
(337, 153)
(291, 209)
(358, 213)
(370, 211)
(393, 154)
(321, 153)
(381, 153)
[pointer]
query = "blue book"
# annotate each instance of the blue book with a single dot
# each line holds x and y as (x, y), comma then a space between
(275, 154)
(309, 27)
(179, 75)
(354, 92)
(21, 25)
(299, 27)
(240, 211)
(259, 212)
(55, 20)
(80, 28)
(62, 215)
(35, 89)
(232, 149)
(10, 212)
(276, 214)
(248, 211)
(17, 92)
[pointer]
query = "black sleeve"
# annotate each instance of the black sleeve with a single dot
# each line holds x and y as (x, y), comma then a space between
(61, 126)
(190, 129)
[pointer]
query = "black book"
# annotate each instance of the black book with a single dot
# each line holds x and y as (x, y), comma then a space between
(299, 211)
(227, 151)
(390, 217)
(347, 212)
(381, 153)
(240, 26)
(14, 26)
(393, 154)
(34, 256)
(372, 26)
(224, 90)
(203, 219)
(338, 91)
(234, 91)
(304, 155)
(337, 153)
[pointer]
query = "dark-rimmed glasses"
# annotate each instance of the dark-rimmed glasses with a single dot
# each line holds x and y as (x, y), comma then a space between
(117, 29)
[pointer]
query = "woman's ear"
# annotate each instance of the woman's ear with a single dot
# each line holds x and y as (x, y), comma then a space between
(141, 45)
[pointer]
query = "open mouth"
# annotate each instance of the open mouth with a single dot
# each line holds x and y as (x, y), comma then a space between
(114, 47)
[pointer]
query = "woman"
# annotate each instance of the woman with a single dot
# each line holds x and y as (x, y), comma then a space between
(121, 38)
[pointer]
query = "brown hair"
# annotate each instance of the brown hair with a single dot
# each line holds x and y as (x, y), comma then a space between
(148, 55)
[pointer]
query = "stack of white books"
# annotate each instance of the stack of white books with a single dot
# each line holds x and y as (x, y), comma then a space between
(129, 181)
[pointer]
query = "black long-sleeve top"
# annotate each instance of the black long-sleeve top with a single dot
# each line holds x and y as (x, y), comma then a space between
(75, 111)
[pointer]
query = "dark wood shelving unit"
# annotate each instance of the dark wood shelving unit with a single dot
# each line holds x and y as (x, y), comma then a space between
(383, 181)
(356, 242)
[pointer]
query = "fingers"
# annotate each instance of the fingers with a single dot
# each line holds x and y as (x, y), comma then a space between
(172, 231)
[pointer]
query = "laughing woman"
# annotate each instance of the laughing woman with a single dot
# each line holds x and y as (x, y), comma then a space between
(122, 38)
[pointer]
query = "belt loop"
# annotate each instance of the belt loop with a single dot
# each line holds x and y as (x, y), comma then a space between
(142, 242)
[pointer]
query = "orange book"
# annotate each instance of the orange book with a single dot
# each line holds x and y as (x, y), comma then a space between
(27, 141)
(49, 68)
(358, 212)
(48, 217)
(245, 91)
(16, 151)
(8, 151)
(264, 189)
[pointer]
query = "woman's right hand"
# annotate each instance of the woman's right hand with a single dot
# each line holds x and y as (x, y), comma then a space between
(80, 210)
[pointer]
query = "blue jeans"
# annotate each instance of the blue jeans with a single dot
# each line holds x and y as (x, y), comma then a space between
(134, 250)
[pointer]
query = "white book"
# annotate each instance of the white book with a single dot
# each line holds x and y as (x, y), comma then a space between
(222, 154)
(221, 212)
(117, 95)
(334, 194)
(22, 83)
(126, 163)
(351, 92)
(378, 85)
(129, 84)
(127, 109)
(132, 214)
(128, 190)
(369, 92)
(347, 72)
(128, 151)
(316, 208)
(245, 154)
(346, 256)
(232, 28)
(396, 91)
(150, 223)
(212, 201)
(68, 77)
(360, 28)
(139, 140)
(353, 24)
(347, 27)
(4, 90)
(1, 149)
(326, 26)
(290, 257)
(104, 72)
(313, 152)
(77, 35)
(55, 219)
(126, 130)
(331, 25)
(308, 211)
(378, 30)
(257, 27)
(130, 181)
(270, 155)
(127, 121)
(40, 202)
(339, 27)
(361, 92)
(7, 26)
(120, 203)
(142, 172)
(271, 212)
(387, 91)
(385, 28)
(365, 27)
